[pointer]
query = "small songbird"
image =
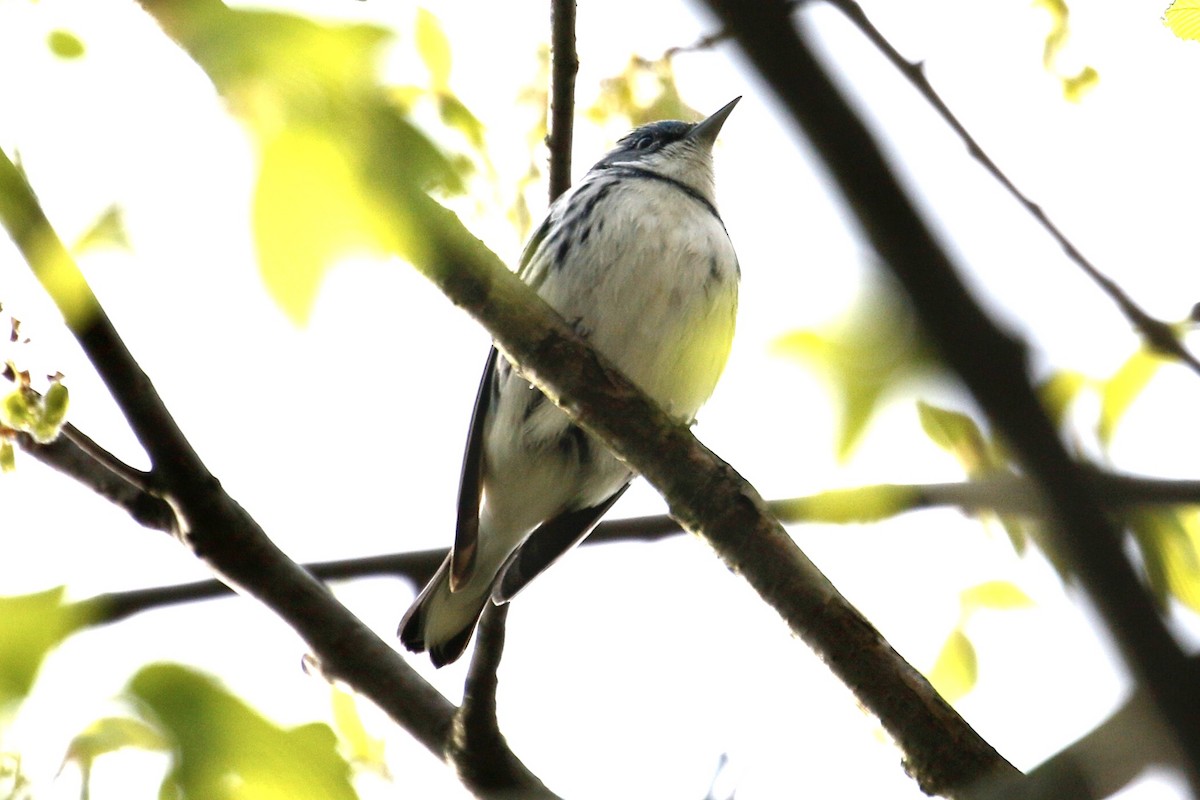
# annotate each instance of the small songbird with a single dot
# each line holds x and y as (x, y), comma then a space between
(637, 259)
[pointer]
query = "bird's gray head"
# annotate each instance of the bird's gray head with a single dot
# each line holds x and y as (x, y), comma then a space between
(678, 150)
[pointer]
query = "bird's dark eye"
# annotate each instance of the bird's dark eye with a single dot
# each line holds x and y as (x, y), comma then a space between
(642, 142)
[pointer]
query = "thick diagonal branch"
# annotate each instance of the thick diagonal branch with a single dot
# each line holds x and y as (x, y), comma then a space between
(990, 361)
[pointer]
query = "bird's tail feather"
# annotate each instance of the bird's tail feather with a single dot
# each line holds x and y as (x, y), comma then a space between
(442, 621)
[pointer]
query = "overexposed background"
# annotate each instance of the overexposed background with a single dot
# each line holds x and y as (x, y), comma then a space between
(629, 670)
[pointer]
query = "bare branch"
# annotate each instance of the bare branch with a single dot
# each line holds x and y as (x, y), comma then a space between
(1159, 336)
(103, 477)
(564, 67)
(989, 361)
(212, 523)
(478, 749)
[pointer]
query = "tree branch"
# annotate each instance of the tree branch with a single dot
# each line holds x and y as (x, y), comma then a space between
(564, 67)
(101, 476)
(1159, 336)
(211, 522)
(990, 362)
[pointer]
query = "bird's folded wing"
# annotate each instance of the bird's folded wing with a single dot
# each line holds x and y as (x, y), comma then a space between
(546, 544)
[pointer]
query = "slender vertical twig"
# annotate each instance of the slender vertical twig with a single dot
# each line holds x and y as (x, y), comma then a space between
(564, 67)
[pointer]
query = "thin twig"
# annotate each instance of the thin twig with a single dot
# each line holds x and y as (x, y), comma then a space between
(564, 67)
(991, 363)
(1159, 336)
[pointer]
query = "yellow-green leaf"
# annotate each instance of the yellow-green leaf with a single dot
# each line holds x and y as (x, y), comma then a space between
(308, 213)
(108, 735)
(1183, 18)
(434, 48)
(956, 670)
(994, 595)
(1169, 544)
(65, 44)
(958, 434)
(362, 748)
(1059, 391)
(107, 231)
(31, 626)
(863, 356)
(8, 457)
(224, 749)
(1118, 392)
(1075, 87)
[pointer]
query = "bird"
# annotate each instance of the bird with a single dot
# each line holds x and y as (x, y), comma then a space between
(636, 258)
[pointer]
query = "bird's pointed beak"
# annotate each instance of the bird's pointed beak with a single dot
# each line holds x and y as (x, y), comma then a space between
(706, 132)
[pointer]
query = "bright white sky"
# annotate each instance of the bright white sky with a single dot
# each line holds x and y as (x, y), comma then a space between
(629, 670)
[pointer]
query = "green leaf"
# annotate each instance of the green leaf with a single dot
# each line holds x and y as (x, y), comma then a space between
(1059, 391)
(872, 349)
(65, 44)
(645, 91)
(456, 115)
(224, 749)
(8, 457)
(1169, 544)
(434, 48)
(363, 749)
(107, 735)
(956, 670)
(1118, 392)
(997, 595)
(957, 434)
(19, 409)
(1183, 18)
(31, 626)
(307, 214)
(107, 231)
(343, 171)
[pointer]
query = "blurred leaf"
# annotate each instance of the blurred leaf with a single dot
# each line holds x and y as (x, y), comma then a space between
(1074, 86)
(956, 670)
(959, 435)
(1118, 392)
(308, 212)
(8, 457)
(434, 48)
(455, 115)
(644, 92)
(1183, 18)
(343, 170)
(861, 504)
(1078, 85)
(225, 749)
(364, 749)
(872, 349)
(1168, 547)
(108, 735)
(107, 231)
(14, 784)
(65, 44)
(1058, 392)
(996, 595)
(31, 626)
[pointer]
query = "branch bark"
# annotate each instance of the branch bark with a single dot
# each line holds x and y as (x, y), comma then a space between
(990, 362)
(216, 528)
